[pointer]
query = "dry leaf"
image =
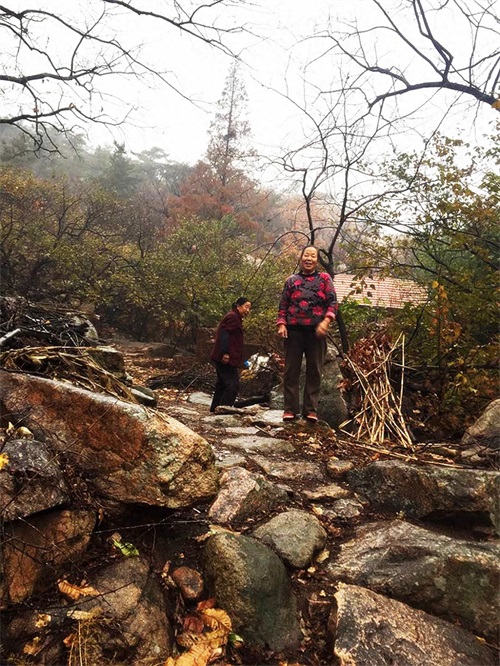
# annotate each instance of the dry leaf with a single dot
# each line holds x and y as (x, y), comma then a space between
(207, 603)
(4, 460)
(34, 647)
(42, 620)
(194, 624)
(216, 618)
(75, 592)
(70, 639)
(324, 555)
(84, 615)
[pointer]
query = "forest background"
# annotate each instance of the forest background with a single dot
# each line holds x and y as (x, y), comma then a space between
(159, 248)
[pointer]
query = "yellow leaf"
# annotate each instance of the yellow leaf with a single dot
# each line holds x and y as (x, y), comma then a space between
(4, 460)
(496, 105)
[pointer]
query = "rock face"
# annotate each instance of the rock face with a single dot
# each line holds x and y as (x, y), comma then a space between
(373, 630)
(132, 455)
(32, 480)
(449, 577)
(294, 535)
(34, 550)
(420, 491)
(250, 582)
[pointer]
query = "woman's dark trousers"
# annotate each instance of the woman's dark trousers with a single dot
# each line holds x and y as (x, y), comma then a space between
(303, 341)
(226, 388)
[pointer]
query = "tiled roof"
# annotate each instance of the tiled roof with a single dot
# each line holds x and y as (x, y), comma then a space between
(379, 292)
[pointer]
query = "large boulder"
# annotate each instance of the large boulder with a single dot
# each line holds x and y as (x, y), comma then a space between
(454, 578)
(373, 630)
(251, 584)
(420, 491)
(129, 453)
(35, 550)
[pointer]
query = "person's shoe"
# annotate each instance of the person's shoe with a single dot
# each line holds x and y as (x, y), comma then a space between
(288, 416)
(312, 417)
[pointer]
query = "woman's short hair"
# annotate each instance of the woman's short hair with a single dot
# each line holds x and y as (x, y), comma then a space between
(240, 301)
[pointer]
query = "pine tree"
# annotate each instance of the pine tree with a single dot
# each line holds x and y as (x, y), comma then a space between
(229, 153)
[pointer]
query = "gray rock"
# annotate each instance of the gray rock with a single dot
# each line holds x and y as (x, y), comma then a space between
(110, 359)
(132, 595)
(228, 459)
(345, 509)
(250, 582)
(200, 398)
(296, 471)
(373, 630)
(273, 417)
(449, 577)
(132, 454)
(262, 444)
(338, 468)
(244, 494)
(419, 491)
(242, 430)
(144, 395)
(295, 535)
(330, 491)
(222, 421)
(485, 432)
(31, 481)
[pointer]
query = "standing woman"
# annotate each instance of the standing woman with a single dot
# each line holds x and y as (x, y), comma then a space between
(307, 306)
(227, 353)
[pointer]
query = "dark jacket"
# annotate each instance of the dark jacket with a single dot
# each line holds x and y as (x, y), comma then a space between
(229, 339)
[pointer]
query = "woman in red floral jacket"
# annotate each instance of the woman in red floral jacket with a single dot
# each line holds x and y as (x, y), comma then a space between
(307, 306)
(227, 353)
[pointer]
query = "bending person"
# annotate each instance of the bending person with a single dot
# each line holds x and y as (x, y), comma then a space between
(227, 353)
(307, 306)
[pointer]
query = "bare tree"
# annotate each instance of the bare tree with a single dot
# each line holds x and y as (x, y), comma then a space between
(55, 66)
(414, 48)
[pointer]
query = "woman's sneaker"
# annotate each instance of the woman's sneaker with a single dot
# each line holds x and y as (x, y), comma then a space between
(312, 417)
(288, 416)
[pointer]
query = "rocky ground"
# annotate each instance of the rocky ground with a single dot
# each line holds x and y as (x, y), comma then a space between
(294, 459)
(391, 551)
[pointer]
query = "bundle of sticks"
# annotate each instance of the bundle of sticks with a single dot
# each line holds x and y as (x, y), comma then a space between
(379, 419)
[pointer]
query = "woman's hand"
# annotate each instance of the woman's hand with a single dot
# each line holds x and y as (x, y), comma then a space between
(322, 327)
(282, 331)
(225, 358)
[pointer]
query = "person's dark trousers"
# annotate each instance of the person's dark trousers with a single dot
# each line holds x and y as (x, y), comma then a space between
(227, 385)
(303, 341)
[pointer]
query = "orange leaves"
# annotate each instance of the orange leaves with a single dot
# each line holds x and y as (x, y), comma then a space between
(205, 634)
(74, 592)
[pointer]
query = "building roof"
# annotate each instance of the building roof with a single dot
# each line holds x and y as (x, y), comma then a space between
(379, 292)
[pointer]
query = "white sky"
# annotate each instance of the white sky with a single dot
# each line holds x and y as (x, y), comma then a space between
(275, 59)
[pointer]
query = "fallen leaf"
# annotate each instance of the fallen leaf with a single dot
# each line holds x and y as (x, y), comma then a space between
(33, 648)
(4, 460)
(75, 592)
(42, 620)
